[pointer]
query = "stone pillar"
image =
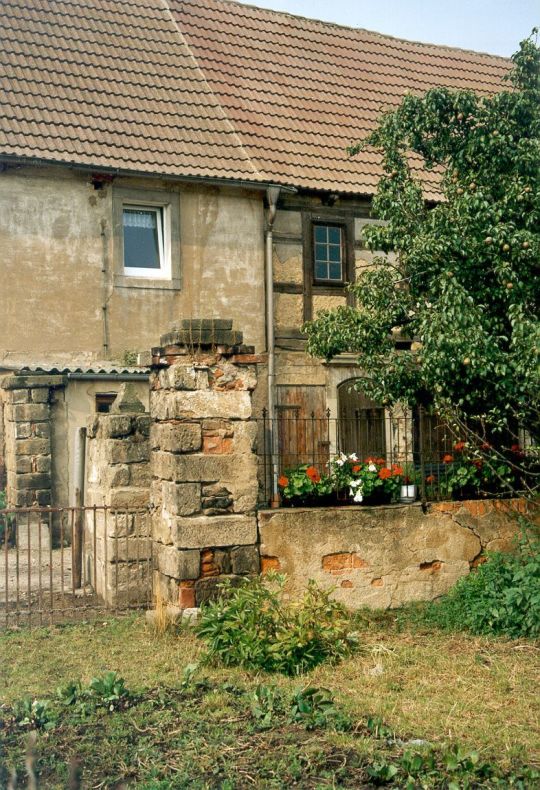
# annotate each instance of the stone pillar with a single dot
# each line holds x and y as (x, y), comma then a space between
(117, 533)
(27, 438)
(204, 462)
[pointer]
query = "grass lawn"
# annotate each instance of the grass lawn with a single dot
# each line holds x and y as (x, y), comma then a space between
(405, 684)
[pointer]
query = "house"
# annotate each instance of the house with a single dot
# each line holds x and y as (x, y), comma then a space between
(171, 159)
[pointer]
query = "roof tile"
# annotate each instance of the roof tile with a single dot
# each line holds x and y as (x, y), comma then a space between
(210, 88)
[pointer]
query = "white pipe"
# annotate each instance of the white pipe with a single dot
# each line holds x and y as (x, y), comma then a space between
(272, 195)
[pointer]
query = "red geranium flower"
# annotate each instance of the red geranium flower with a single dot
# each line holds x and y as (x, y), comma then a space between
(356, 468)
(430, 479)
(313, 474)
(380, 461)
(478, 463)
(370, 460)
(447, 459)
(459, 446)
(385, 473)
(485, 446)
(283, 481)
(397, 470)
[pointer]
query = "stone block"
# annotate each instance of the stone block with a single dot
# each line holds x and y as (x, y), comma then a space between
(232, 471)
(21, 396)
(116, 425)
(214, 531)
(117, 476)
(13, 382)
(141, 424)
(181, 499)
(180, 437)
(40, 395)
(23, 430)
(245, 560)
(200, 404)
(128, 497)
(127, 452)
(42, 463)
(41, 430)
(32, 412)
(177, 564)
(33, 447)
(23, 463)
(33, 480)
(186, 595)
(209, 589)
(132, 549)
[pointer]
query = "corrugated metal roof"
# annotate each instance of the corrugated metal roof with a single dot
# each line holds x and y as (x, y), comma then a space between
(210, 88)
(97, 368)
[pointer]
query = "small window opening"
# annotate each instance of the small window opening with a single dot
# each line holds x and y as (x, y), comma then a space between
(104, 401)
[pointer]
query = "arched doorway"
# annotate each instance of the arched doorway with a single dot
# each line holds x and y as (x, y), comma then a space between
(361, 423)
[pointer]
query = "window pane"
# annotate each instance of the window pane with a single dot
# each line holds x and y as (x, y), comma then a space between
(321, 252)
(141, 244)
(334, 235)
(321, 270)
(335, 271)
(334, 253)
(321, 233)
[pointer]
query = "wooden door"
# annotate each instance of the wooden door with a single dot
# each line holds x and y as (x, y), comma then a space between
(362, 423)
(303, 427)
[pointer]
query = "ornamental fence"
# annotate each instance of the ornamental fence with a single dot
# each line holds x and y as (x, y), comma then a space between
(417, 445)
(62, 564)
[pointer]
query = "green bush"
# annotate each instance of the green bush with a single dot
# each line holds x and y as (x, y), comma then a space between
(501, 597)
(254, 627)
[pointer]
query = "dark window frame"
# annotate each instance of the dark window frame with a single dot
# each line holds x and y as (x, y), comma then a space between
(343, 253)
(312, 286)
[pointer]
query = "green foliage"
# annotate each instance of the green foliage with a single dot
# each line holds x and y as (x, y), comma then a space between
(303, 482)
(253, 626)
(501, 597)
(316, 708)
(464, 283)
(34, 714)
(109, 690)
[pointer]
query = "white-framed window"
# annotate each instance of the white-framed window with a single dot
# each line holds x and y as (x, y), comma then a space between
(146, 241)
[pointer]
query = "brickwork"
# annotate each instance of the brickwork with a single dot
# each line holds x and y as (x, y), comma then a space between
(27, 438)
(117, 535)
(204, 462)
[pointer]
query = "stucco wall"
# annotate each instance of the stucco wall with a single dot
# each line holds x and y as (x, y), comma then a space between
(58, 231)
(384, 556)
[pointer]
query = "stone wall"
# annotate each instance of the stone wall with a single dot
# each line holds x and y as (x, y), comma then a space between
(385, 556)
(204, 465)
(117, 534)
(27, 438)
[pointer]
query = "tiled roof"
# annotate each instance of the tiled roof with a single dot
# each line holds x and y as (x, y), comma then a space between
(209, 88)
(110, 84)
(300, 91)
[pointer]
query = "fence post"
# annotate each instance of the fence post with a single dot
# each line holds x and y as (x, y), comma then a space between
(423, 496)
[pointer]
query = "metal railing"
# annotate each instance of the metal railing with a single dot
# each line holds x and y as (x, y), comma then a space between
(418, 442)
(67, 563)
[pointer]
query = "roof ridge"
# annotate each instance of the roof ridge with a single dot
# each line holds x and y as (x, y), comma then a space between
(324, 23)
(249, 161)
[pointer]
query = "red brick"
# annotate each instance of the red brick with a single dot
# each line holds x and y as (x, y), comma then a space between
(216, 445)
(186, 595)
(270, 564)
(338, 563)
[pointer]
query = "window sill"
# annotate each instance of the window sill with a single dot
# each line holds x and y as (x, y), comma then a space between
(146, 283)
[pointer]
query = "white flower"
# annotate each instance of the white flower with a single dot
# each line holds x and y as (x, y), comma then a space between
(358, 497)
(339, 462)
(354, 484)
(372, 468)
(353, 457)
